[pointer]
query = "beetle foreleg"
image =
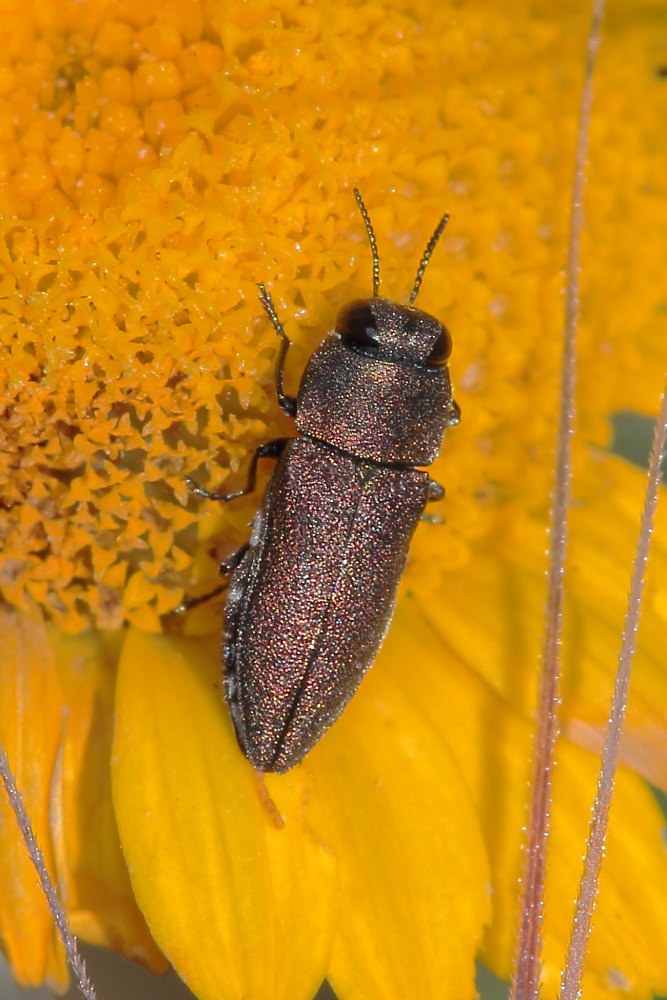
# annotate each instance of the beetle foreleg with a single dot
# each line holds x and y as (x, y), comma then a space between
(270, 449)
(287, 403)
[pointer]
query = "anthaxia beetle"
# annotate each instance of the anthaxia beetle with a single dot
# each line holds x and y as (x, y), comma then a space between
(311, 595)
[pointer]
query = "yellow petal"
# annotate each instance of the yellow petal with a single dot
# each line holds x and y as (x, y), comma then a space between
(492, 744)
(30, 728)
(606, 533)
(241, 908)
(414, 894)
(626, 952)
(500, 596)
(91, 867)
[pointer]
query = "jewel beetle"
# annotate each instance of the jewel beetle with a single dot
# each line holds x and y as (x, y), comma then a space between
(310, 596)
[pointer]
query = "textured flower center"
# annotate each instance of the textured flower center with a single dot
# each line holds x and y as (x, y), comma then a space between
(159, 159)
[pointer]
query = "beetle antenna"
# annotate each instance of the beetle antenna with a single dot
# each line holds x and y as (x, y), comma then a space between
(423, 263)
(371, 239)
(270, 311)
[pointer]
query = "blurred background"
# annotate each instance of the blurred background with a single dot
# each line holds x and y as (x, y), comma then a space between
(117, 979)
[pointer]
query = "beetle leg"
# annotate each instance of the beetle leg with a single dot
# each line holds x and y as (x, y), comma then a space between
(453, 415)
(226, 568)
(270, 449)
(435, 491)
(432, 519)
(228, 565)
(287, 403)
(191, 602)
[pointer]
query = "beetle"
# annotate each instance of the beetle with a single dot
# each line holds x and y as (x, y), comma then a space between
(310, 596)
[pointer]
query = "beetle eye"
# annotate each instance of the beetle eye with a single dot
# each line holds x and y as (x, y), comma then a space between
(357, 328)
(441, 349)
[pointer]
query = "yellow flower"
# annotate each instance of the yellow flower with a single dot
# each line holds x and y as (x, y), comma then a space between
(157, 160)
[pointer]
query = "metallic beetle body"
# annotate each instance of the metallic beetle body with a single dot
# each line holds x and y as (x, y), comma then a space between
(311, 598)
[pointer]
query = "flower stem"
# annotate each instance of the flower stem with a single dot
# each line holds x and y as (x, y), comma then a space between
(525, 979)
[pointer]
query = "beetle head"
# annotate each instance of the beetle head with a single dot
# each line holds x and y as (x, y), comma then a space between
(386, 331)
(380, 329)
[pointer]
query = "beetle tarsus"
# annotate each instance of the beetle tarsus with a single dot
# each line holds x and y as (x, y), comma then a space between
(191, 602)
